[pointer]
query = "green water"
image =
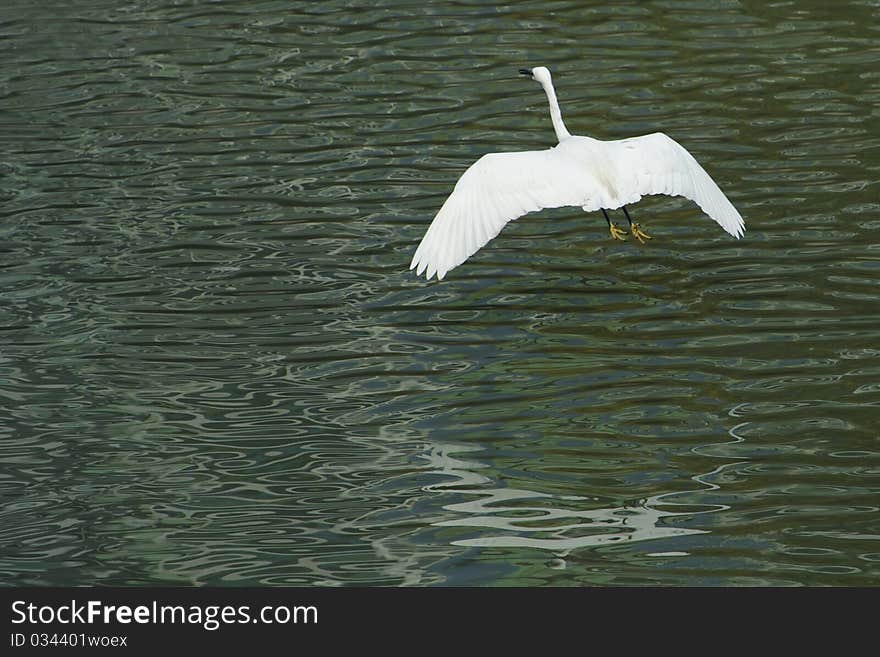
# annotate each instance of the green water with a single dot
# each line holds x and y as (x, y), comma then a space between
(216, 368)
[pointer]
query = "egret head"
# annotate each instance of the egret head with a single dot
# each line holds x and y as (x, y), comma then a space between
(540, 74)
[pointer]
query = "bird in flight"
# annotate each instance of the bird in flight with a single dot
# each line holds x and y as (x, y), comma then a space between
(578, 171)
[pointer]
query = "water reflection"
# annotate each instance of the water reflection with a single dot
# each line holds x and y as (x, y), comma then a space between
(558, 529)
(558, 523)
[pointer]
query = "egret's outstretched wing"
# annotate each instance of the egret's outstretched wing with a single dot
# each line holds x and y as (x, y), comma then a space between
(580, 171)
(495, 190)
(657, 164)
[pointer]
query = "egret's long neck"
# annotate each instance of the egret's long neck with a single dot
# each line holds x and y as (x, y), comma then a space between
(555, 114)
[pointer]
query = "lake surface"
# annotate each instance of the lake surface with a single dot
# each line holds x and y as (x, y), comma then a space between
(217, 369)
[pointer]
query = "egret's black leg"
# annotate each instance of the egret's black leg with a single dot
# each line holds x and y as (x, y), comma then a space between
(616, 232)
(636, 230)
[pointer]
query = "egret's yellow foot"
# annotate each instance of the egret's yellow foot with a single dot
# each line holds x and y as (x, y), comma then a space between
(639, 234)
(616, 232)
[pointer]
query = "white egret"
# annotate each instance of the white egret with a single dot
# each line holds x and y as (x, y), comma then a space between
(579, 171)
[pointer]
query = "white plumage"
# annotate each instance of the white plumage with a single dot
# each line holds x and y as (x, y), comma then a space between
(579, 171)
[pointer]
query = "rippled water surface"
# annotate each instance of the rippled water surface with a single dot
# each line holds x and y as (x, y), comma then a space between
(216, 368)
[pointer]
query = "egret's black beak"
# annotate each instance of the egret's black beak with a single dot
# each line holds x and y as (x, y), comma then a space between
(525, 71)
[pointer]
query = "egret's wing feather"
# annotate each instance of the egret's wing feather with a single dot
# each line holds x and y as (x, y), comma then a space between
(495, 190)
(657, 164)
